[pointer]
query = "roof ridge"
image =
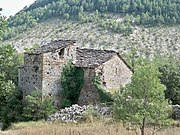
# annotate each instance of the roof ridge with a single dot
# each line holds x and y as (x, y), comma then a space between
(97, 49)
(64, 40)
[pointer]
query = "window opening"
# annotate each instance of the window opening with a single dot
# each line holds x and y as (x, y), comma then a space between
(61, 53)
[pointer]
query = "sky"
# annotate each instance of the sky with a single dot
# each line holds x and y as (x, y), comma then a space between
(11, 7)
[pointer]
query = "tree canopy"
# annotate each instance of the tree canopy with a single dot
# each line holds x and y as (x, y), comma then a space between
(170, 77)
(150, 11)
(143, 101)
(144, 12)
(2, 23)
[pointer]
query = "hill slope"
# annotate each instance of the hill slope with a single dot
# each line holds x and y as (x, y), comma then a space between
(150, 26)
(147, 40)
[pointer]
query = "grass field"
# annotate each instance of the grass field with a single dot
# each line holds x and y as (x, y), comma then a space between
(89, 128)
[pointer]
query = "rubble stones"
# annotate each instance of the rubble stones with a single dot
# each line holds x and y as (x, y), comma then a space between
(77, 113)
(176, 111)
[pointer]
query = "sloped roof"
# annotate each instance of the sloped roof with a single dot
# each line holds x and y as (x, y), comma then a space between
(50, 47)
(92, 58)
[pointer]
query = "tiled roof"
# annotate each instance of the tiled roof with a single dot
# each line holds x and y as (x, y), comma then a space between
(50, 47)
(92, 58)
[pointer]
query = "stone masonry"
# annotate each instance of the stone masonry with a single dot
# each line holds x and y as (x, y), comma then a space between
(42, 70)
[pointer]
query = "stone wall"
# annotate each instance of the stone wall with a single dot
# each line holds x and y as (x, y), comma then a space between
(89, 93)
(30, 74)
(42, 71)
(53, 64)
(114, 74)
(52, 68)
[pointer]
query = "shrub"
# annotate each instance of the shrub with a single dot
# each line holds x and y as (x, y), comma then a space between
(65, 103)
(72, 80)
(104, 95)
(11, 109)
(170, 77)
(35, 108)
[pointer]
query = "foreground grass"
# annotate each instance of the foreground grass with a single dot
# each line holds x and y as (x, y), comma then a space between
(106, 127)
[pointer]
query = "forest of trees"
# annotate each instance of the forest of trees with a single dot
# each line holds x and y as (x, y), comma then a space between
(145, 12)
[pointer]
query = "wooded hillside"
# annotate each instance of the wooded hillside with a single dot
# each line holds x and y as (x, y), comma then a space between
(136, 12)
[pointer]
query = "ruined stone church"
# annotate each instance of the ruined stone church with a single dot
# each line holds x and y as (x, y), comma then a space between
(43, 66)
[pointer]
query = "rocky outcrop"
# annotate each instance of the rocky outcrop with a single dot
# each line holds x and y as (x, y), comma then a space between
(77, 113)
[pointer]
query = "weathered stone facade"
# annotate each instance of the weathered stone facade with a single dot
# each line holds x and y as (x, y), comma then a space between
(89, 93)
(43, 66)
(114, 74)
(42, 69)
(30, 74)
(104, 64)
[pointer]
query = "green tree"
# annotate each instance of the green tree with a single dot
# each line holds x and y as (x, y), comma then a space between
(170, 77)
(72, 80)
(3, 23)
(11, 105)
(143, 101)
(9, 62)
(152, 13)
(6, 89)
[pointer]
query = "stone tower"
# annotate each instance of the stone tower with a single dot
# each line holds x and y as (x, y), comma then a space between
(43, 66)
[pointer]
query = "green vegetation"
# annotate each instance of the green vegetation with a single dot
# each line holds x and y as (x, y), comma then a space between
(35, 108)
(105, 97)
(12, 106)
(170, 77)
(140, 12)
(124, 28)
(143, 102)
(3, 24)
(10, 60)
(149, 11)
(10, 96)
(169, 69)
(72, 80)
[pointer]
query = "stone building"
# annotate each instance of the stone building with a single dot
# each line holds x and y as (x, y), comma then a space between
(43, 66)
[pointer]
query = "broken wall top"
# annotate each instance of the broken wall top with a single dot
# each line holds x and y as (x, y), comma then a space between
(53, 46)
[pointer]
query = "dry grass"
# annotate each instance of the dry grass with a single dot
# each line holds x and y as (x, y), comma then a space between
(91, 128)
